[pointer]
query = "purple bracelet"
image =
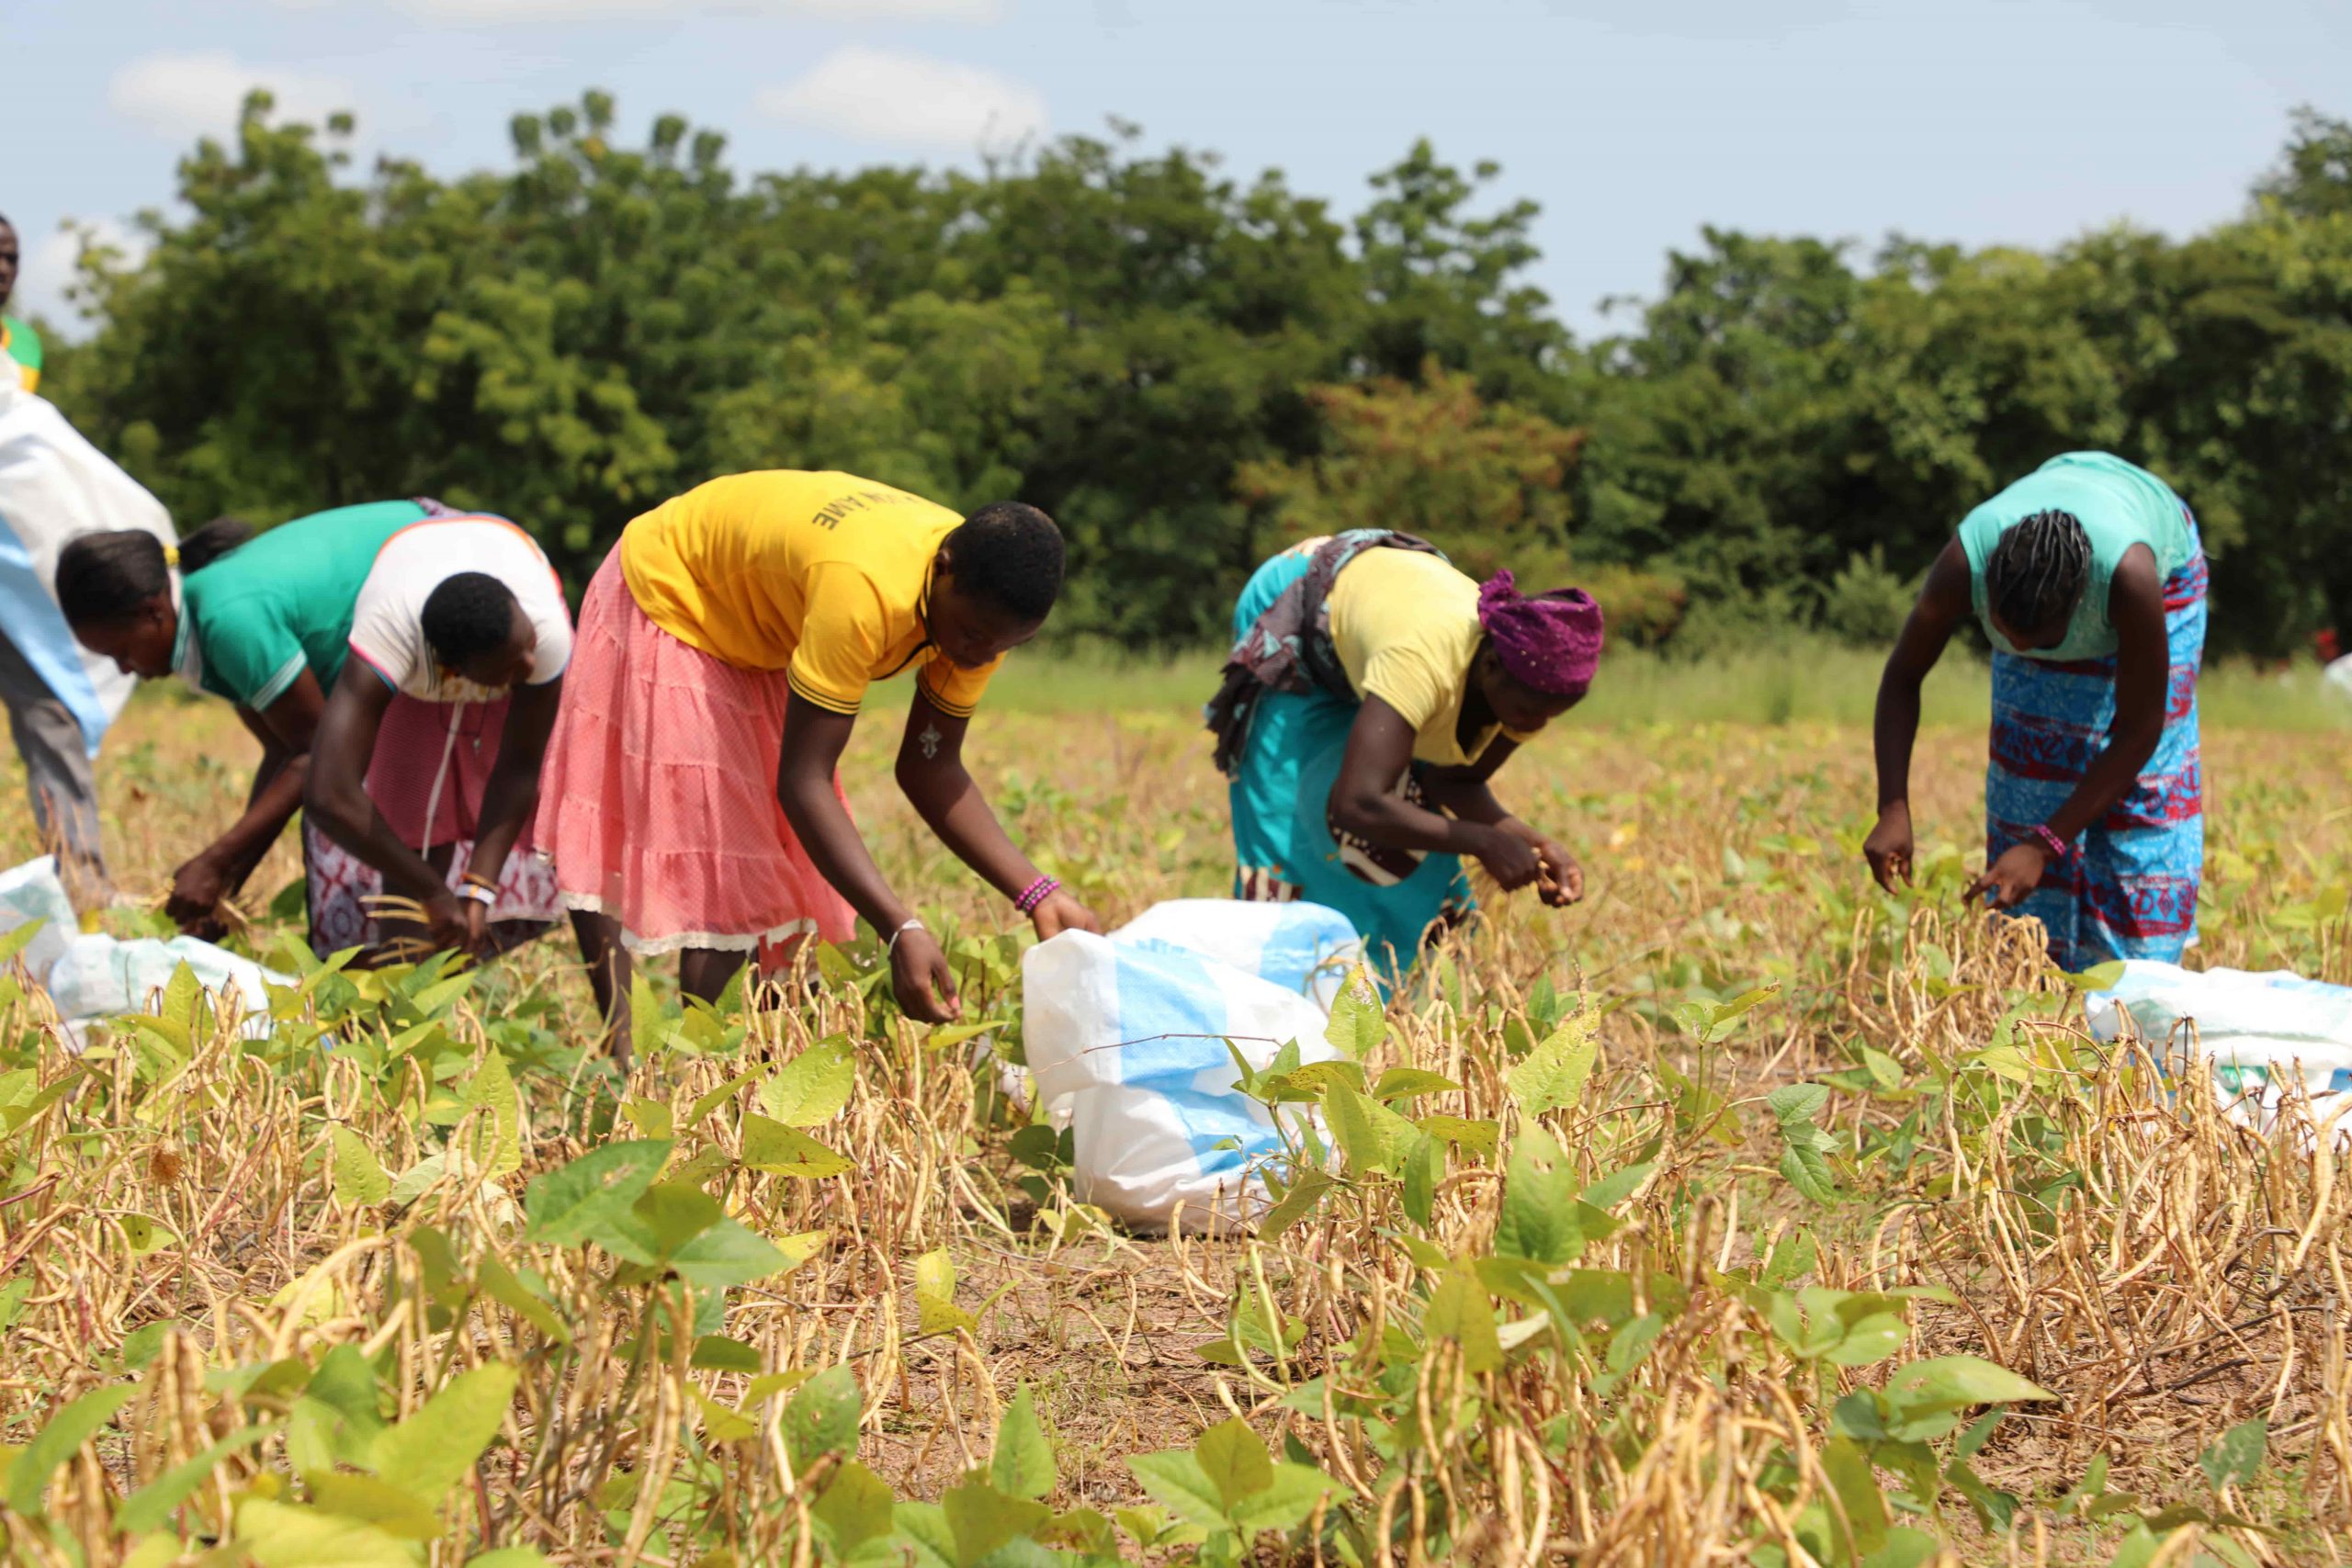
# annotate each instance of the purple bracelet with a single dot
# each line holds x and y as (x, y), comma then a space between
(2050, 841)
(1036, 894)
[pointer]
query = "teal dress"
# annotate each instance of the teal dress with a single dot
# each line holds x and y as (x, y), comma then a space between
(2129, 886)
(1283, 848)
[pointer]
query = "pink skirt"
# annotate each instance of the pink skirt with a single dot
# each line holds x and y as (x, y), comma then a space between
(657, 798)
(414, 749)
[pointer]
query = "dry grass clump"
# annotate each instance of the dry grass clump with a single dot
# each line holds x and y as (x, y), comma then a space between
(1888, 1263)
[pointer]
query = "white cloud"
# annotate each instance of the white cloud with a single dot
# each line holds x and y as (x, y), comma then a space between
(49, 271)
(186, 96)
(912, 100)
(497, 11)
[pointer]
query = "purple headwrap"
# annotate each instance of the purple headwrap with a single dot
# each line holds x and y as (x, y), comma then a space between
(1549, 644)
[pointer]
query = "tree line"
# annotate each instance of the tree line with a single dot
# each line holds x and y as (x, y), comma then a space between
(1188, 369)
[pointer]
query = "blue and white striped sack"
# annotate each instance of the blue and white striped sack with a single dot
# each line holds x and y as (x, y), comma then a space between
(1127, 1035)
(2262, 1033)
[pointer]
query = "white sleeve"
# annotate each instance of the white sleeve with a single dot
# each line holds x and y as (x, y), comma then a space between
(384, 631)
(551, 623)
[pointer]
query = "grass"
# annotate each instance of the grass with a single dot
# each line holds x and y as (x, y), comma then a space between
(1594, 1301)
(1797, 680)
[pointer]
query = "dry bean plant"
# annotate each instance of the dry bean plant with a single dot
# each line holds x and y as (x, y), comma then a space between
(1742, 1215)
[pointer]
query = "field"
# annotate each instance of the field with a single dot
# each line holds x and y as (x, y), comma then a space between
(1741, 1215)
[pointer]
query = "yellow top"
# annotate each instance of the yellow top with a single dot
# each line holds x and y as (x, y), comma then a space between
(821, 575)
(1405, 627)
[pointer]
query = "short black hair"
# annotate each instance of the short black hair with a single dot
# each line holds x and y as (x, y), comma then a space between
(2038, 571)
(1011, 555)
(469, 614)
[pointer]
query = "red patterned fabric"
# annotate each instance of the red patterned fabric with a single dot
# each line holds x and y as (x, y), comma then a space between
(658, 800)
(410, 752)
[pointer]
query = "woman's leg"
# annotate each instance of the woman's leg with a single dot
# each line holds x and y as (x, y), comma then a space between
(609, 975)
(704, 971)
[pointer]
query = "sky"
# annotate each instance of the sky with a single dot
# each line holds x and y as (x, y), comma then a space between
(1982, 121)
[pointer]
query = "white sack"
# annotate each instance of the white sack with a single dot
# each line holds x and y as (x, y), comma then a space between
(1126, 1037)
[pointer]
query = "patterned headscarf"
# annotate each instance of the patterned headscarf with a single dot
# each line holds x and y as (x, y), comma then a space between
(1549, 644)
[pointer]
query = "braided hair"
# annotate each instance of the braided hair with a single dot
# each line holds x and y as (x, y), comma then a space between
(2038, 571)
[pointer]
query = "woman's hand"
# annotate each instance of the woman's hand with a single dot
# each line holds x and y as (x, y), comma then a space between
(446, 925)
(197, 888)
(1560, 878)
(1060, 912)
(1888, 848)
(2010, 878)
(920, 979)
(1510, 859)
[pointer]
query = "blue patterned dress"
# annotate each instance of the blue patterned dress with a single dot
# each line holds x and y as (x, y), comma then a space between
(2129, 889)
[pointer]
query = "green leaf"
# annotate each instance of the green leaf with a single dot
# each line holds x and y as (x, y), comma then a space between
(508, 1557)
(1857, 1487)
(984, 1518)
(1618, 1185)
(1286, 1502)
(1424, 1167)
(855, 1506)
(923, 1531)
(1235, 1461)
(1479, 1136)
(1305, 1195)
(1401, 1083)
(1798, 1102)
(718, 1096)
(155, 1552)
(360, 1180)
(376, 1501)
(1954, 1382)
(1358, 1021)
(1873, 1338)
(1369, 1136)
(492, 1088)
(1459, 1311)
(502, 1285)
(813, 1087)
(1539, 1219)
(651, 1117)
(1808, 1172)
(822, 1417)
(590, 1198)
(1023, 1464)
(720, 1425)
(151, 1508)
(718, 1353)
(1175, 1479)
(1553, 1074)
(779, 1150)
(2099, 977)
(1995, 1510)
(728, 1254)
(2237, 1454)
(286, 1535)
(433, 1449)
(59, 1441)
(673, 1214)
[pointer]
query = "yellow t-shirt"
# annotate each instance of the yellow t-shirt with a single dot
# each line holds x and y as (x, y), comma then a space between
(1405, 627)
(820, 575)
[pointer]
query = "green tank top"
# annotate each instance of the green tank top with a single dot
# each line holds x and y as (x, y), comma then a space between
(2118, 504)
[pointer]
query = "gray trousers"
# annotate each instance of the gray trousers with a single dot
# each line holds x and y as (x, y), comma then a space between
(57, 771)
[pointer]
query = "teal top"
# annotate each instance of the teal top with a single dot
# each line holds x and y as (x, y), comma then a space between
(254, 620)
(2118, 506)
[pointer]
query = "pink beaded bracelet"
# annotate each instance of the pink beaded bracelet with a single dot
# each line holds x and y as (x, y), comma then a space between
(1036, 894)
(2050, 841)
